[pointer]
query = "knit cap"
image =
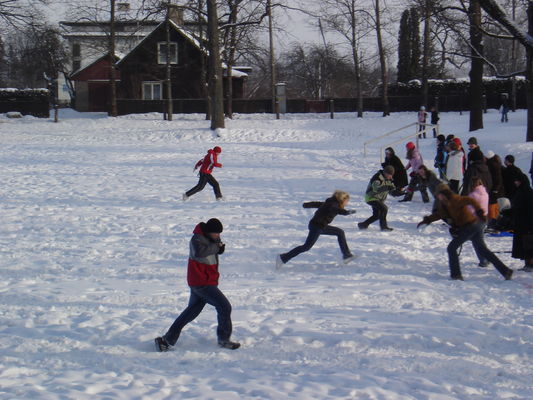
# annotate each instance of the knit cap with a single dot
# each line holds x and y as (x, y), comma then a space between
(213, 226)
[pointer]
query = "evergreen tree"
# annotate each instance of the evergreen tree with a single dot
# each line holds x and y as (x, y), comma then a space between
(414, 23)
(404, 48)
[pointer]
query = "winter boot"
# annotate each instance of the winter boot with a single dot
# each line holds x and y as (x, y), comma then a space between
(362, 225)
(408, 197)
(227, 344)
(161, 344)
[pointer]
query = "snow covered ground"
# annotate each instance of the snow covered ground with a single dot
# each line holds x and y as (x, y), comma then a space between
(94, 245)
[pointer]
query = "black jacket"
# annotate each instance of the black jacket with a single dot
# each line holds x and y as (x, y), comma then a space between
(522, 207)
(497, 189)
(509, 174)
(327, 210)
(400, 175)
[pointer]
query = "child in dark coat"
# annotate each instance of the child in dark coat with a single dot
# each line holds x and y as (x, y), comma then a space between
(320, 225)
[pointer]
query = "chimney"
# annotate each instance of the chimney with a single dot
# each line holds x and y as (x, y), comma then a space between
(175, 13)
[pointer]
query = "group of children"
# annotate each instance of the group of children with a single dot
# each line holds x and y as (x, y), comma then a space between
(466, 214)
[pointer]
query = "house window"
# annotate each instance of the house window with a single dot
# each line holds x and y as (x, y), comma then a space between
(162, 53)
(152, 91)
(76, 50)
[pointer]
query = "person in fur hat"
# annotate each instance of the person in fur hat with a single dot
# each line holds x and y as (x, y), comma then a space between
(202, 277)
(206, 166)
(400, 175)
(466, 226)
(320, 225)
(376, 192)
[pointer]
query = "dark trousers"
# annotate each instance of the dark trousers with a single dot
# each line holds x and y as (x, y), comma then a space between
(454, 186)
(312, 237)
(417, 183)
(421, 128)
(379, 212)
(200, 296)
(205, 179)
(474, 233)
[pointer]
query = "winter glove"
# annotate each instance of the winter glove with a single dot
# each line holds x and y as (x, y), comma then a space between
(425, 221)
(480, 214)
(221, 248)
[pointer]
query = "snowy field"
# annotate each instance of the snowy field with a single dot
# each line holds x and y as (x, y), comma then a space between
(94, 245)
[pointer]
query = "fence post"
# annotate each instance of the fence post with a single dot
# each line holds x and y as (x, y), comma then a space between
(331, 109)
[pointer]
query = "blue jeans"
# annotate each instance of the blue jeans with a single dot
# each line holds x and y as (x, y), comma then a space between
(200, 296)
(312, 237)
(474, 233)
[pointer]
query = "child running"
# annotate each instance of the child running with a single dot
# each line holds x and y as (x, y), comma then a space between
(320, 225)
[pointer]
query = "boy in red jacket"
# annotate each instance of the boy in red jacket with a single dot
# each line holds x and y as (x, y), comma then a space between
(202, 277)
(206, 166)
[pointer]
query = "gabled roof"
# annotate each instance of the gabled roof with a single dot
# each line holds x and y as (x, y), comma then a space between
(81, 70)
(173, 25)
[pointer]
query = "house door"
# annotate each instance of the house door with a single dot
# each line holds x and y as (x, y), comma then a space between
(99, 96)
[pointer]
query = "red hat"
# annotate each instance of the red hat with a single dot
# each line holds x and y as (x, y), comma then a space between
(410, 146)
(217, 149)
(457, 141)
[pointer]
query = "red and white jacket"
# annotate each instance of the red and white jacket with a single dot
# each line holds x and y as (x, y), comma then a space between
(202, 269)
(207, 163)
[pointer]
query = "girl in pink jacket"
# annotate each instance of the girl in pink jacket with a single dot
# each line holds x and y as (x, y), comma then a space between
(415, 161)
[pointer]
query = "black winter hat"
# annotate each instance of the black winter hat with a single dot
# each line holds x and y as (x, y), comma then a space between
(213, 226)
(472, 140)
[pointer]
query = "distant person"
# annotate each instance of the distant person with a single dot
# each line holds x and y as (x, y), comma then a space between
(376, 193)
(422, 117)
(464, 226)
(509, 173)
(400, 175)
(504, 108)
(206, 166)
(434, 119)
(320, 225)
(202, 276)
(522, 214)
(429, 180)
(441, 156)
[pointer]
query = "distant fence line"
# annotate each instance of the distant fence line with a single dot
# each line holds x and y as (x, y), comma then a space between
(252, 106)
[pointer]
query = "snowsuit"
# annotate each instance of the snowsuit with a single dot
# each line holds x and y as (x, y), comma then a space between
(400, 175)
(206, 165)
(319, 225)
(202, 278)
(467, 227)
(376, 192)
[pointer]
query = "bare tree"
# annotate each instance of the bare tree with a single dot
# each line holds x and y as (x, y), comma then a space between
(19, 12)
(215, 67)
(344, 17)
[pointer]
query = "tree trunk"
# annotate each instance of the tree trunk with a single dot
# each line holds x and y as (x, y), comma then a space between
(215, 68)
(383, 62)
(231, 58)
(476, 68)
(425, 56)
(113, 111)
(357, 67)
(168, 70)
(272, 60)
(529, 76)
